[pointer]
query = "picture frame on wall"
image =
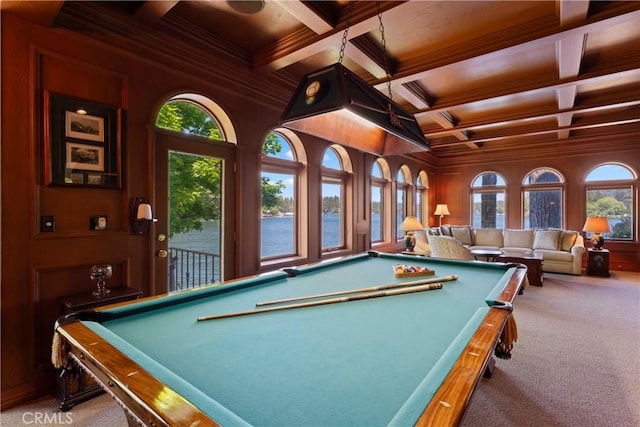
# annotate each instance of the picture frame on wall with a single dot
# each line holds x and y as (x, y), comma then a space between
(82, 143)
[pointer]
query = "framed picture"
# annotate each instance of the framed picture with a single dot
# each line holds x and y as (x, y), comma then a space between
(82, 143)
(84, 157)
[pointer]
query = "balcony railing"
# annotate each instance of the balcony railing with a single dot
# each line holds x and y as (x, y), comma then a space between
(191, 269)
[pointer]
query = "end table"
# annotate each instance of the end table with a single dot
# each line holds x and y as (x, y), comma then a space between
(598, 262)
(73, 385)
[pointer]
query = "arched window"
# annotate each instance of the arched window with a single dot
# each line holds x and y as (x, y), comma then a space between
(403, 183)
(422, 198)
(380, 205)
(282, 165)
(195, 114)
(610, 190)
(543, 198)
(336, 175)
(487, 201)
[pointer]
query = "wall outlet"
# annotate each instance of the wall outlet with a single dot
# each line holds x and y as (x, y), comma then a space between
(47, 223)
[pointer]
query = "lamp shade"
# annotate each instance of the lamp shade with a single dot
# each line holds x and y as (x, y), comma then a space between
(596, 224)
(411, 223)
(335, 104)
(442, 210)
(144, 211)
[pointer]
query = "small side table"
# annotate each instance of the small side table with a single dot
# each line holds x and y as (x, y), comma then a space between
(73, 385)
(533, 262)
(489, 255)
(598, 262)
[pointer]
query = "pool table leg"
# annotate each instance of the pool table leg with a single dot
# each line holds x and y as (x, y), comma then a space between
(491, 364)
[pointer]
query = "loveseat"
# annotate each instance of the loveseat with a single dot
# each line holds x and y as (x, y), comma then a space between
(561, 250)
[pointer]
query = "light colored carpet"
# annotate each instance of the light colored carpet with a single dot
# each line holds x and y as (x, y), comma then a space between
(101, 411)
(576, 364)
(577, 359)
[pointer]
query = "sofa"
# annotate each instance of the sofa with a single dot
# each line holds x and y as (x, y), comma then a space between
(561, 250)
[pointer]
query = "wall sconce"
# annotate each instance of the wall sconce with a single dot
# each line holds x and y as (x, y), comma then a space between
(141, 216)
(441, 210)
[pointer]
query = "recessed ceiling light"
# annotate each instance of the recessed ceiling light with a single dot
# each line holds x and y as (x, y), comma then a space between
(247, 7)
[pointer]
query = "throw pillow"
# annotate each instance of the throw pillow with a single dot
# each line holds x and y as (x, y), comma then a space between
(488, 237)
(463, 234)
(435, 232)
(547, 239)
(568, 239)
(515, 238)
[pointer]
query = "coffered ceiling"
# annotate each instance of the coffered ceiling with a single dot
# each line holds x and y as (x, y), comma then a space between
(476, 74)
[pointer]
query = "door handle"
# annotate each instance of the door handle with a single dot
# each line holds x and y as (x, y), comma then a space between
(163, 253)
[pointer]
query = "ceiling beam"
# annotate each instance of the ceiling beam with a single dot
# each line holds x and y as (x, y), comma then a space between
(415, 94)
(617, 119)
(307, 16)
(152, 11)
(368, 53)
(303, 43)
(508, 42)
(572, 11)
(604, 103)
(623, 68)
(39, 12)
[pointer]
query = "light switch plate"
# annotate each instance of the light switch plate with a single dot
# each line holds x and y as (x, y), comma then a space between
(47, 223)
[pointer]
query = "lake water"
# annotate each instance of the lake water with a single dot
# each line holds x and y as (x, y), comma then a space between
(278, 237)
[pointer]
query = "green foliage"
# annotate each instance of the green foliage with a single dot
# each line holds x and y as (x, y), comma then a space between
(194, 184)
(622, 230)
(271, 145)
(272, 201)
(606, 206)
(331, 204)
(186, 117)
(615, 204)
(271, 196)
(194, 181)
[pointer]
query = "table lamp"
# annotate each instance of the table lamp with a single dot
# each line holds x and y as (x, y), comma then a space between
(409, 225)
(596, 225)
(441, 210)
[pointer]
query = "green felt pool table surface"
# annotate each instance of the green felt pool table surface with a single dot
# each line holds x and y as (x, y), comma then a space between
(376, 361)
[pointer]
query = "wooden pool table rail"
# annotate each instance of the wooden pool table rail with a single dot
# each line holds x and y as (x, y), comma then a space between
(135, 389)
(448, 405)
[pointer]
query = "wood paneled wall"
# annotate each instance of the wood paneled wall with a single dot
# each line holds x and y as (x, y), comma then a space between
(38, 268)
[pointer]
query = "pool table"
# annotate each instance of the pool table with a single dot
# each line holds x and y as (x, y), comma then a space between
(408, 359)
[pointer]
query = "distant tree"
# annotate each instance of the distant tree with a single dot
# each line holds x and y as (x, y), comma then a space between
(544, 206)
(271, 196)
(187, 117)
(622, 229)
(489, 201)
(272, 200)
(606, 206)
(271, 145)
(331, 204)
(194, 184)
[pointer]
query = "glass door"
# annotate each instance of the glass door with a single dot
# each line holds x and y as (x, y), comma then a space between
(193, 210)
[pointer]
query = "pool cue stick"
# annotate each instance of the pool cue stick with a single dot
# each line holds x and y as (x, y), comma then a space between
(369, 289)
(378, 294)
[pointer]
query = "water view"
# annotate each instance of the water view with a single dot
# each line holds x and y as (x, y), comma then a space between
(191, 269)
